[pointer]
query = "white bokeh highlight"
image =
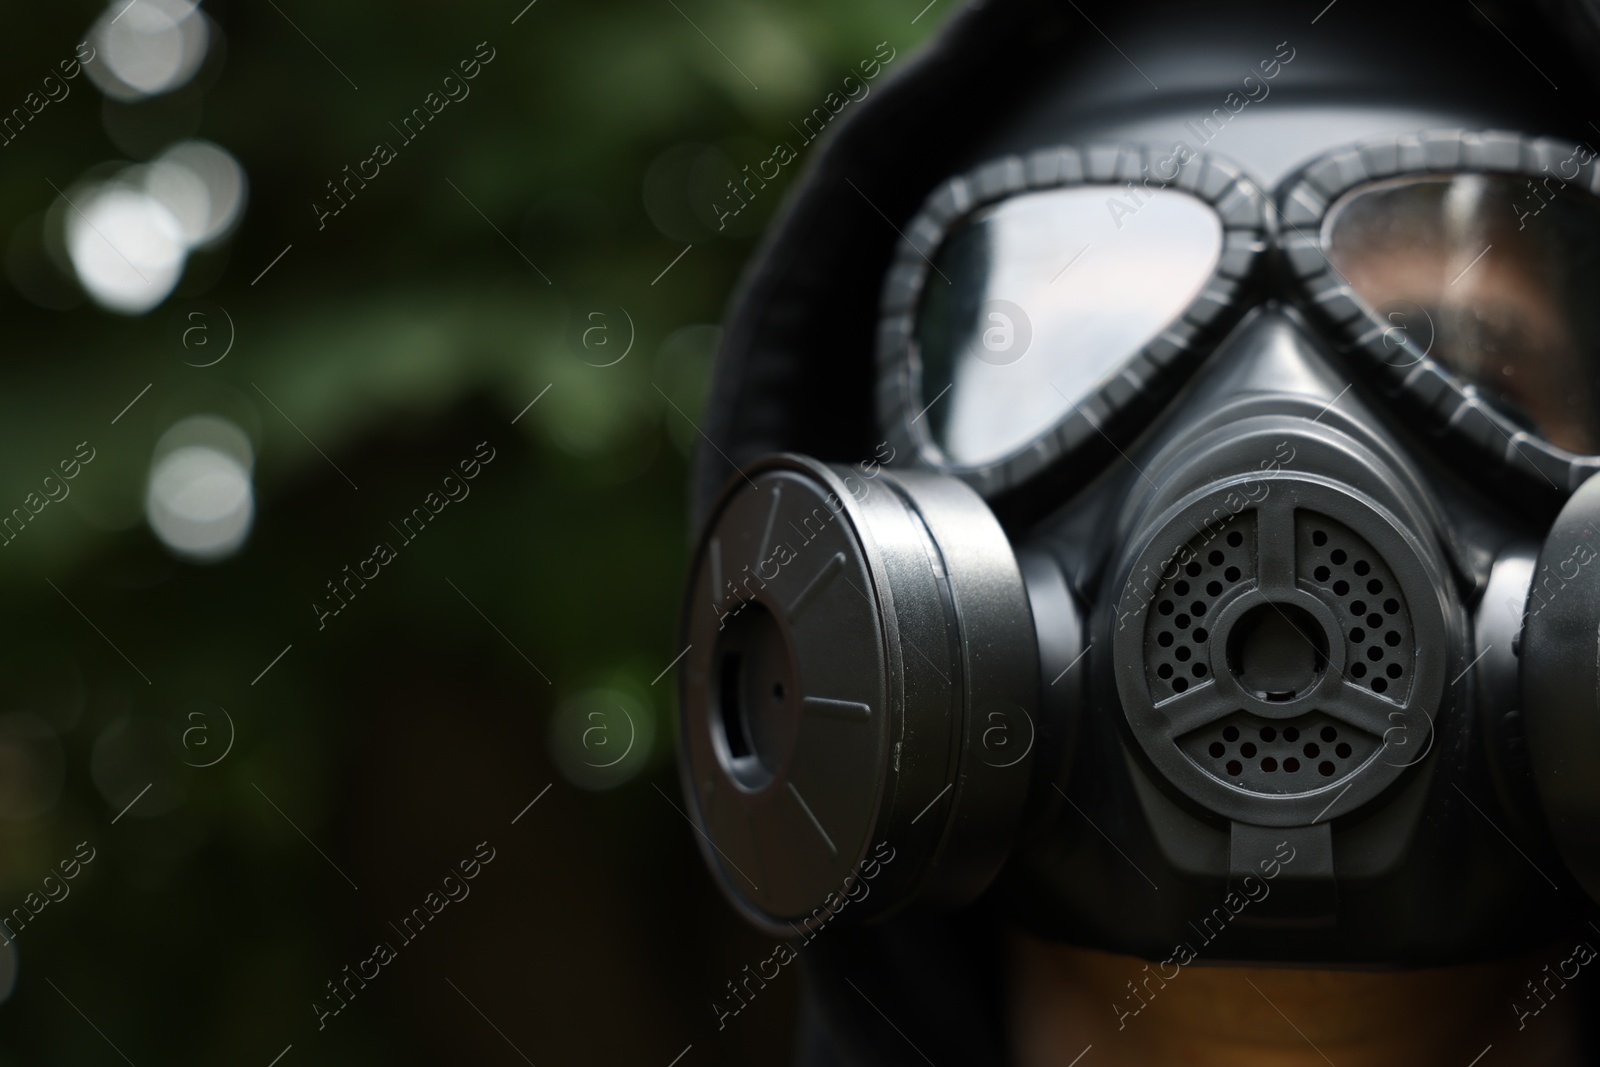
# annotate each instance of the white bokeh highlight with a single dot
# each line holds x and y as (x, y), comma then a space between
(200, 501)
(202, 185)
(129, 237)
(127, 247)
(147, 47)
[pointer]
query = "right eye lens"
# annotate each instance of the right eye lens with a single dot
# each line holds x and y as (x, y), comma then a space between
(1039, 299)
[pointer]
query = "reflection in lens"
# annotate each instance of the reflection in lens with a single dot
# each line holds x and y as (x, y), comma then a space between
(1503, 271)
(200, 501)
(1047, 295)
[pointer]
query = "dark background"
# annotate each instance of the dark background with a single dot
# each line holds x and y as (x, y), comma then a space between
(521, 640)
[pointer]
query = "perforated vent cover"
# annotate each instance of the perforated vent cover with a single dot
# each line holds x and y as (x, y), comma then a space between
(1379, 646)
(1333, 596)
(1218, 562)
(1279, 757)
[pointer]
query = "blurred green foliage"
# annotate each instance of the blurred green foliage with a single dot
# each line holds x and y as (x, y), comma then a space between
(417, 722)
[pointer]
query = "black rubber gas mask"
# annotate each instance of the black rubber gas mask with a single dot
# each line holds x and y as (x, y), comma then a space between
(1228, 544)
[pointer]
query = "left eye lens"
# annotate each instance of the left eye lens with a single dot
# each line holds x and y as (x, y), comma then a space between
(1039, 299)
(1493, 277)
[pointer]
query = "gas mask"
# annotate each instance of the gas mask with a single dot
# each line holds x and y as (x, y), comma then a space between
(1227, 537)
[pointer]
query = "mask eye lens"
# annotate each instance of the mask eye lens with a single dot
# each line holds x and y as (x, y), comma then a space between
(1494, 278)
(1039, 299)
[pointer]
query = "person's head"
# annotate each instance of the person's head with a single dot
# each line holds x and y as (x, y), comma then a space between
(1179, 549)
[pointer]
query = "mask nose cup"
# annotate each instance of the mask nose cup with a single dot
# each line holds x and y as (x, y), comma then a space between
(860, 694)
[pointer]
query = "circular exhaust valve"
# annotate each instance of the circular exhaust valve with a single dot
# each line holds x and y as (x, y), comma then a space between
(1272, 656)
